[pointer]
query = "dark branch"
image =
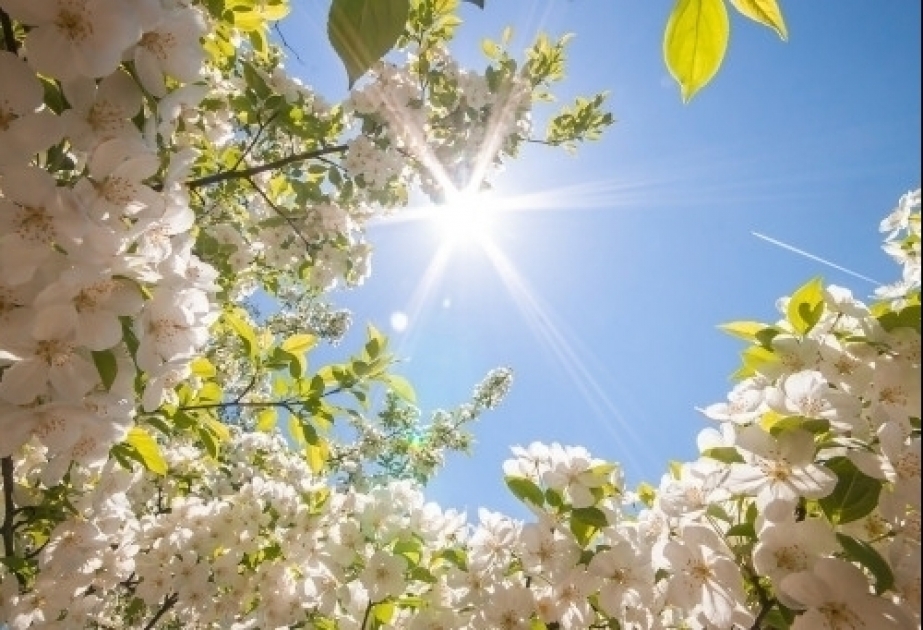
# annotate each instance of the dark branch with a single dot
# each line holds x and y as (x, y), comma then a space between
(9, 37)
(259, 132)
(9, 508)
(168, 603)
(278, 210)
(227, 405)
(262, 168)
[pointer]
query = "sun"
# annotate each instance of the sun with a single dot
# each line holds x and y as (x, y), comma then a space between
(465, 217)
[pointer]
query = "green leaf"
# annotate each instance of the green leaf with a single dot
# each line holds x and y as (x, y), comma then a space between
(908, 317)
(865, 554)
(401, 387)
(744, 530)
(147, 449)
(724, 454)
(479, 3)
(694, 43)
(525, 490)
(453, 556)
(299, 344)
(363, 31)
(236, 319)
(806, 306)
(106, 366)
(855, 495)
(591, 516)
(766, 12)
(583, 530)
(383, 611)
(410, 550)
(317, 455)
(491, 49)
(647, 493)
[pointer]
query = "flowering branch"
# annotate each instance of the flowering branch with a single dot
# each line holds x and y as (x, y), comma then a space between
(262, 168)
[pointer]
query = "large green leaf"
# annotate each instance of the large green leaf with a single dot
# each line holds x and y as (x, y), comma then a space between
(525, 490)
(363, 31)
(855, 495)
(766, 12)
(865, 554)
(694, 43)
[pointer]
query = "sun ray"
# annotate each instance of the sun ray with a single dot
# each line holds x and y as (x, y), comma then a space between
(422, 297)
(540, 320)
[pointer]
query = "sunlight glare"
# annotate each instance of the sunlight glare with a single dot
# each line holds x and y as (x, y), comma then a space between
(466, 217)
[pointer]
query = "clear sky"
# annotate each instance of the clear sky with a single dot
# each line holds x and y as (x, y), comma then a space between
(604, 297)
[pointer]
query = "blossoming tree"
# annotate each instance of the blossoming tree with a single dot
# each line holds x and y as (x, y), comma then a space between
(162, 179)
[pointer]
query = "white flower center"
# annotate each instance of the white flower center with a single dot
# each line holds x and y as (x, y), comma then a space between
(73, 22)
(55, 352)
(840, 617)
(35, 225)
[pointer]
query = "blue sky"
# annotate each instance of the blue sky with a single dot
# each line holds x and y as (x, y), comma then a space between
(642, 243)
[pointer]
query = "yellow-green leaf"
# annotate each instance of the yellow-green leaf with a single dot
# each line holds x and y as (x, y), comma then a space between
(317, 455)
(766, 12)
(218, 428)
(694, 43)
(402, 388)
(743, 329)
(203, 368)
(296, 431)
(297, 344)
(491, 49)
(237, 320)
(266, 420)
(148, 450)
(806, 305)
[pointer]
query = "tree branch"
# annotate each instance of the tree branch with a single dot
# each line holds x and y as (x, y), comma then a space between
(278, 210)
(9, 509)
(262, 168)
(9, 36)
(227, 405)
(168, 603)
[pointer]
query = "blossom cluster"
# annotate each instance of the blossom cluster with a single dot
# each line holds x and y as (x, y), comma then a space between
(99, 282)
(801, 512)
(156, 160)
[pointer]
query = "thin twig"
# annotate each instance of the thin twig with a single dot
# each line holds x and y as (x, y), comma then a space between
(262, 127)
(282, 39)
(278, 210)
(284, 404)
(9, 509)
(262, 168)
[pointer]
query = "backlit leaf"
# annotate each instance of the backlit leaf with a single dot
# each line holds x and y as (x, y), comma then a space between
(695, 41)
(147, 449)
(766, 12)
(363, 31)
(806, 305)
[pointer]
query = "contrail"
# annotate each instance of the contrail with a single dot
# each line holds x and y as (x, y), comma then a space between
(813, 257)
